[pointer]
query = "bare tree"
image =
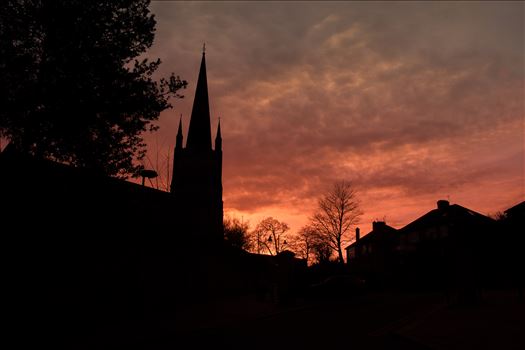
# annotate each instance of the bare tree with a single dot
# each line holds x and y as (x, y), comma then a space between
(302, 242)
(310, 245)
(270, 235)
(338, 211)
(236, 233)
(321, 249)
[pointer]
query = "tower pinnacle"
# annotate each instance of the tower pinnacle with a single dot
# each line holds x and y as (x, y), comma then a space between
(199, 134)
(178, 145)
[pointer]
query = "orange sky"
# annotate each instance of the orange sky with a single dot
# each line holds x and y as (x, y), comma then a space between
(412, 101)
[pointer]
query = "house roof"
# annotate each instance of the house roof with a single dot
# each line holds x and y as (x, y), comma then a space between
(14, 162)
(32, 178)
(378, 230)
(454, 212)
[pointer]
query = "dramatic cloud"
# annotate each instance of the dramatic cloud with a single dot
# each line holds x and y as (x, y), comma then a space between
(412, 101)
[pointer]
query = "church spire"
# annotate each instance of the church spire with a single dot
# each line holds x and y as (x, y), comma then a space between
(199, 134)
(218, 138)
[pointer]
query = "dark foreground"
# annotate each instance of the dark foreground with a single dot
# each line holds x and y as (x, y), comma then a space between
(374, 321)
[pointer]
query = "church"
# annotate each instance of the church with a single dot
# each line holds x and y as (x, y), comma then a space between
(197, 170)
(85, 247)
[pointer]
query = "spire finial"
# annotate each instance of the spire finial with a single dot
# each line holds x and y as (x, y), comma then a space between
(203, 48)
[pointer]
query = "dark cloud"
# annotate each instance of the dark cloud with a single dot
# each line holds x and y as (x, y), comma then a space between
(412, 100)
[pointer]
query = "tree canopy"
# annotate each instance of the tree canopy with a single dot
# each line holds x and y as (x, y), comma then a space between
(311, 245)
(270, 234)
(236, 233)
(73, 85)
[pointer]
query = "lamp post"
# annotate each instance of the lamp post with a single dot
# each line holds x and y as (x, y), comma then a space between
(150, 174)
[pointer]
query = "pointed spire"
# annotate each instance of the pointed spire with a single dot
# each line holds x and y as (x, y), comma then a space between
(199, 134)
(179, 135)
(218, 138)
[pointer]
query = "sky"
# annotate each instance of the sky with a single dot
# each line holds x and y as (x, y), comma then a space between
(412, 102)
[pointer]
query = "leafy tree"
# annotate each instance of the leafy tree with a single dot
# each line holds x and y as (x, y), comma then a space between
(270, 235)
(338, 211)
(236, 233)
(73, 87)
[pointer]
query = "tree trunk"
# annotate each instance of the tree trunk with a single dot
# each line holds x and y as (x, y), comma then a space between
(340, 253)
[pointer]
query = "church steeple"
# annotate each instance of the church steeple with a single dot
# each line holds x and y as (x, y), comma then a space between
(199, 134)
(197, 172)
(218, 138)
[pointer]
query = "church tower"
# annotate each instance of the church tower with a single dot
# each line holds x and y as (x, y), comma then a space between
(197, 170)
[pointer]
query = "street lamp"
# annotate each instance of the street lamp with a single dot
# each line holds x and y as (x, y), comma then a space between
(150, 174)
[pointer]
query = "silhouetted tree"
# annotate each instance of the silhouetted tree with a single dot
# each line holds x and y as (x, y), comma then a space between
(301, 243)
(72, 88)
(236, 233)
(321, 249)
(310, 245)
(338, 210)
(270, 234)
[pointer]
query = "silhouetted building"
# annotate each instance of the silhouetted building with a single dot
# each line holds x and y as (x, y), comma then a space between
(197, 170)
(450, 246)
(373, 254)
(508, 268)
(84, 247)
(516, 215)
(447, 224)
(446, 246)
(375, 245)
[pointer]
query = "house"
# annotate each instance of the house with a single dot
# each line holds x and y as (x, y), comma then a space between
(371, 255)
(447, 245)
(516, 215)
(378, 242)
(508, 264)
(514, 226)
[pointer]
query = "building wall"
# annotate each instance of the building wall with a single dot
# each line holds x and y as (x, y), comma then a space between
(197, 188)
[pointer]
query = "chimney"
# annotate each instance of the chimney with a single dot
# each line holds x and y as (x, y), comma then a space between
(357, 231)
(378, 225)
(442, 204)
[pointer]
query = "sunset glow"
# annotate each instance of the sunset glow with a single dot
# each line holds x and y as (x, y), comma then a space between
(412, 101)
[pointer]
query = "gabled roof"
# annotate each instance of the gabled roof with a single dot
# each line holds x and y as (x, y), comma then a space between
(378, 231)
(452, 213)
